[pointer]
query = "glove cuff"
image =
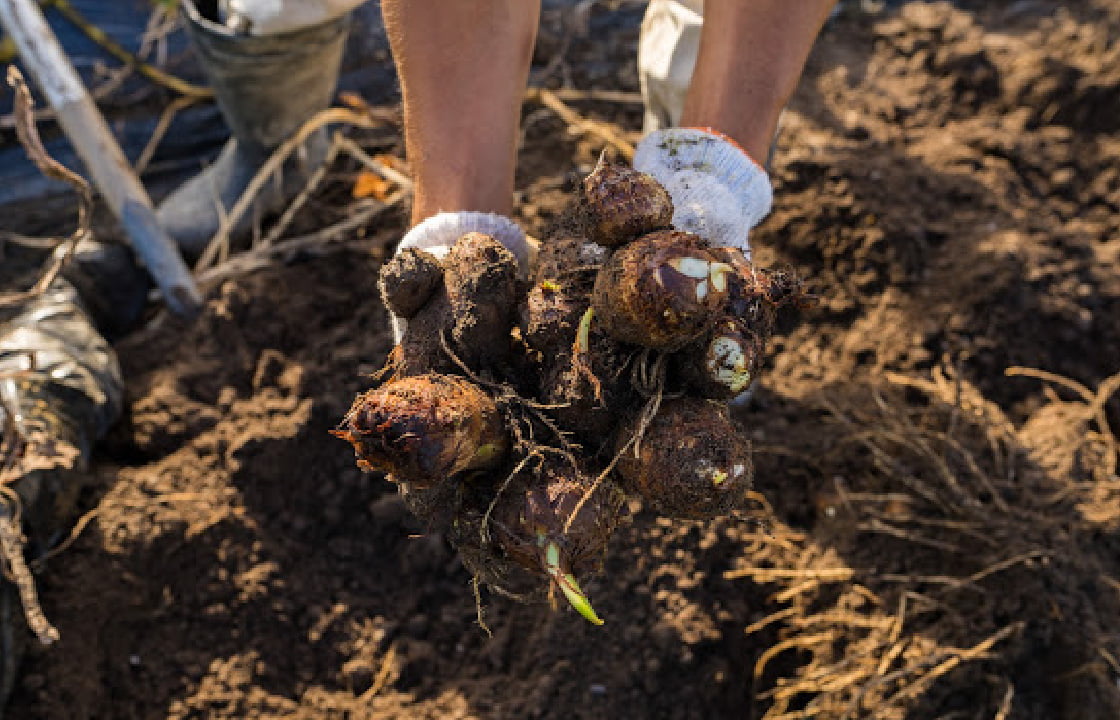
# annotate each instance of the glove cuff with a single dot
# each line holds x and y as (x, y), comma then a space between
(675, 155)
(439, 232)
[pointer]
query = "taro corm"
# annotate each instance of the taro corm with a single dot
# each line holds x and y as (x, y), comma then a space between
(515, 415)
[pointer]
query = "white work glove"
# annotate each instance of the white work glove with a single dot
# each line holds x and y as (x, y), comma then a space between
(718, 191)
(272, 17)
(439, 232)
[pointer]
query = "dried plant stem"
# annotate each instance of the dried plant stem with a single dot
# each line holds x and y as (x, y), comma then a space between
(75, 533)
(300, 200)
(610, 96)
(484, 526)
(771, 619)
(1005, 705)
(762, 574)
(796, 641)
(580, 124)
(28, 136)
(110, 46)
(920, 685)
(165, 119)
(383, 171)
(480, 614)
(269, 170)
(264, 256)
(383, 672)
(11, 548)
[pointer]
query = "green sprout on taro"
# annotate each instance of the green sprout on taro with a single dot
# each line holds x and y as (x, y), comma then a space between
(566, 581)
(557, 528)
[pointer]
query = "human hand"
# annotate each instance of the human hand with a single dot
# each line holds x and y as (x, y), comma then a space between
(719, 192)
(438, 233)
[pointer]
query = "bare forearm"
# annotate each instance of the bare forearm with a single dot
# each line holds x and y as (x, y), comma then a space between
(463, 66)
(752, 53)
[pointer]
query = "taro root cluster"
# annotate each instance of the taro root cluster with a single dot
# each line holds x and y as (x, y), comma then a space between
(520, 409)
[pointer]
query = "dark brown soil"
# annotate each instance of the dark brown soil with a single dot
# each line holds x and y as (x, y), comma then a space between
(944, 538)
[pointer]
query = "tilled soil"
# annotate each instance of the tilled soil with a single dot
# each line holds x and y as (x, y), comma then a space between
(934, 537)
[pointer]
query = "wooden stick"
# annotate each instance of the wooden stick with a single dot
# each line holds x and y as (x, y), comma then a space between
(43, 56)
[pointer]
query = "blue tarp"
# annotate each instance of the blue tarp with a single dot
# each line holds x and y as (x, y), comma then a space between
(134, 108)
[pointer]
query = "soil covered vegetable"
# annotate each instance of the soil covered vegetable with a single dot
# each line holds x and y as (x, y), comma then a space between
(692, 461)
(467, 299)
(511, 458)
(425, 429)
(661, 291)
(620, 204)
(941, 538)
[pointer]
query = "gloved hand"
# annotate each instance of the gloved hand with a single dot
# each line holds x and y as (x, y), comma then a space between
(719, 192)
(438, 233)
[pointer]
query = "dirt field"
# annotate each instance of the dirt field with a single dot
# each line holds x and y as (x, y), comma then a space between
(940, 539)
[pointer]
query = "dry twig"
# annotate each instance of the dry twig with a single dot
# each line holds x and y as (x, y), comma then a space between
(16, 570)
(29, 137)
(297, 203)
(165, 119)
(264, 256)
(270, 169)
(110, 46)
(383, 672)
(920, 685)
(580, 124)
